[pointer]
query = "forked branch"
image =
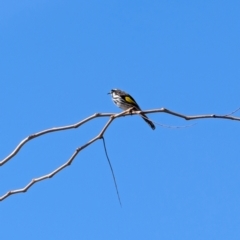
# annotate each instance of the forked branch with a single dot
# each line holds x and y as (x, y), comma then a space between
(112, 117)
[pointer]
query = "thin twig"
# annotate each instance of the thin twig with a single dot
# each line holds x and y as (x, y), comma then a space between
(167, 126)
(35, 180)
(172, 126)
(115, 182)
(233, 112)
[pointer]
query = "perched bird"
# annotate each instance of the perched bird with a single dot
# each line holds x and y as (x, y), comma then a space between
(125, 101)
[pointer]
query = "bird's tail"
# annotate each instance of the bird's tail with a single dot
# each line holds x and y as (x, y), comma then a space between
(149, 122)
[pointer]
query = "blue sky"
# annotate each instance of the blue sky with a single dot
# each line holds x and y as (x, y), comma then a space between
(58, 61)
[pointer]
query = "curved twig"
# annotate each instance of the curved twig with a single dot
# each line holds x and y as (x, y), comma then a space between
(231, 113)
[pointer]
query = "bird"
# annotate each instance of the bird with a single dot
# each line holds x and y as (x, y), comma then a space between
(125, 101)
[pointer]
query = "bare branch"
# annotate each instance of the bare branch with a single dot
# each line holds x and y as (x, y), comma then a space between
(186, 117)
(55, 129)
(125, 113)
(35, 180)
(99, 136)
(69, 161)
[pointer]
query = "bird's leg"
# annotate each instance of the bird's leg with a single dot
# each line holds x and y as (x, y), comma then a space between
(131, 110)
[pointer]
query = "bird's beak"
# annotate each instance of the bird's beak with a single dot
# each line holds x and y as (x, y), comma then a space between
(109, 93)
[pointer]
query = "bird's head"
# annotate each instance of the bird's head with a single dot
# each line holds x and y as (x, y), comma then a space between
(113, 91)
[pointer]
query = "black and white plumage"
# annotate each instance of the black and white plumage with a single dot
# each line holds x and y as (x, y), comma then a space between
(125, 101)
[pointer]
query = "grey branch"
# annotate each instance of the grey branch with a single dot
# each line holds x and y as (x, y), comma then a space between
(127, 112)
(112, 116)
(70, 160)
